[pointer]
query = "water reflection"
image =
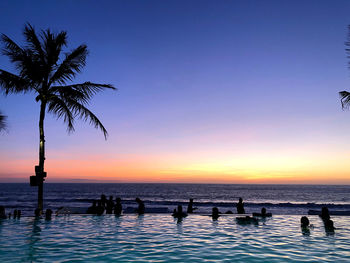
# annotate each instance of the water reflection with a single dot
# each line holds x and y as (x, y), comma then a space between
(179, 226)
(157, 237)
(34, 237)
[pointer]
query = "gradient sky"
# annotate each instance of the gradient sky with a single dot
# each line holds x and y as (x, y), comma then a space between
(209, 91)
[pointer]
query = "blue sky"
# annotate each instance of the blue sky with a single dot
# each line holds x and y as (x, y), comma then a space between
(218, 89)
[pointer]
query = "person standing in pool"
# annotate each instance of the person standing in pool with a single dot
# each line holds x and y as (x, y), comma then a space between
(179, 213)
(325, 214)
(329, 226)
(190, 207)
(110, 205)
(100, 208)
(263, 213)
(2, 212)
(240, 206)
(215, 213)
(103, 200)
(305, 225)
(304, 222)
(48, 214)
(118, 207)
(141, 208)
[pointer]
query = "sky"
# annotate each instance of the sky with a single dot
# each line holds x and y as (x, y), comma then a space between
(208, 92)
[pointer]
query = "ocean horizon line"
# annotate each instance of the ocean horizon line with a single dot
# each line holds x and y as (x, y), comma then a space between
(167, 183)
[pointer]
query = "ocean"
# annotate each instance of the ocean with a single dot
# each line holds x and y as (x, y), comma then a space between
(278, 199)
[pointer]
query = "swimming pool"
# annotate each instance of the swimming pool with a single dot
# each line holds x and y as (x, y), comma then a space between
(159, 238)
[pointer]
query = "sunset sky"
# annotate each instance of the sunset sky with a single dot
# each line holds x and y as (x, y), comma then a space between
(208, 91)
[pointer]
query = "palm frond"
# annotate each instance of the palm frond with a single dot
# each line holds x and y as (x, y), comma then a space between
(59, 108)
(80, 111)
(33, 41)
(71, 65)
(53, 44)
(12, 83)
(83, 91)
(12, 50)
(345, 99)
(2, 121)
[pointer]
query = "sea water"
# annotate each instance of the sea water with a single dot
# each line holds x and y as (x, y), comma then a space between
(160, 238)
(278, 199)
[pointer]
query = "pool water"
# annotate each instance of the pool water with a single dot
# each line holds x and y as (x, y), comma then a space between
(160, 238)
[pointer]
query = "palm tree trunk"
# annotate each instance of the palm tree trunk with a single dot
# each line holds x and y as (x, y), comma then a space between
(41, 156)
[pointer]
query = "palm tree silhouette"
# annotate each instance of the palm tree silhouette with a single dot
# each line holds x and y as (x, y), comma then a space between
(345, 95)
(345, 99)
(2, 121)
(43, 70)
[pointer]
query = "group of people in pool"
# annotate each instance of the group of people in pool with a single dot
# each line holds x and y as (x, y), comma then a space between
(100, 206)
(115, 207)
(16, 213)
(326, 218)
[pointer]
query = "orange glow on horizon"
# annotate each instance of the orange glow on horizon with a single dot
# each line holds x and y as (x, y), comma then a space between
(173, 169)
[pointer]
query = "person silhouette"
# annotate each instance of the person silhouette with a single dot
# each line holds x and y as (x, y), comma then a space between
(15, 213)
(100, 208)
(247, 220)
(190, 207)
(48, 214)
(179, 213)
(2, 212)
(37, 213)
(304, 221)
(240, 206)
(103, 200)
(118, 207)
(329, 226)
(109, 205)
(215, 213)
(325, 214)
(141, 206)
(305, 225)
(263, 213)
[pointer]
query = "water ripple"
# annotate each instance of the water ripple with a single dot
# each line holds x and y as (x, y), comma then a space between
(159, 238)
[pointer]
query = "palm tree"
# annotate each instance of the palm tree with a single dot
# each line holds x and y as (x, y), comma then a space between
(43, 70)
(2, 121)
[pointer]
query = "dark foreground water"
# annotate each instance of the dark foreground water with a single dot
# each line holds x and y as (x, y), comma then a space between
(279, 199)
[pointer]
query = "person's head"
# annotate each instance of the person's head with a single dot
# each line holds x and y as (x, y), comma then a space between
(215, 211)
(263, 211)
(111, 198)
(191, 200)
(118, 200)
(103, 197)
(138, 200)
(179, 209)
(240, 200)
(304, 221)
(325, 211)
